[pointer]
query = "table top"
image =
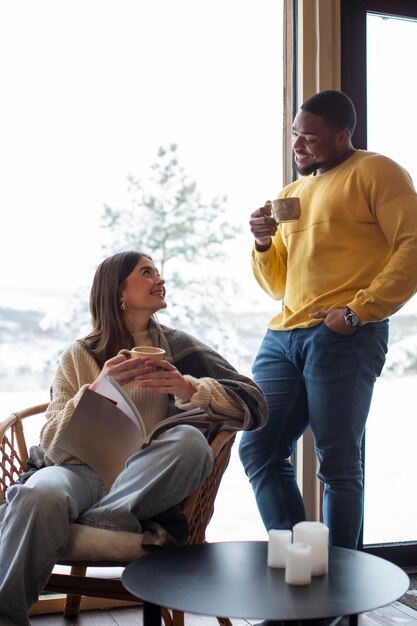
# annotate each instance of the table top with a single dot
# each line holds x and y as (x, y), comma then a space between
(233, 579)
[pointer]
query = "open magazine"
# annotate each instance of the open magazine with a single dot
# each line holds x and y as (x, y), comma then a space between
(106, 428)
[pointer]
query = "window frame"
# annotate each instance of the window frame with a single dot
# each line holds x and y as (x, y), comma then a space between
(354, 83)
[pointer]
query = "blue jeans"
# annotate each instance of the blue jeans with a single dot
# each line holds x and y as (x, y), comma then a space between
(36, 519)
(319, 378)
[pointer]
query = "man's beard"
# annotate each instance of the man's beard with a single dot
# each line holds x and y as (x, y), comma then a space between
(308, 169)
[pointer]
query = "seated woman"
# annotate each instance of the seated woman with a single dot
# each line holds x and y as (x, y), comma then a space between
(126, 293)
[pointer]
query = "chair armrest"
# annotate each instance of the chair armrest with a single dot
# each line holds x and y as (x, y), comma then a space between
(13, 448)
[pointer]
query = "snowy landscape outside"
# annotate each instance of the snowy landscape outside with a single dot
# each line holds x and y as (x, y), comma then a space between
(391, 482)
(78, 119)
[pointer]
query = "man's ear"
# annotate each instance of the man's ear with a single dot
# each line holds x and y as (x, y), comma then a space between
(343, 137)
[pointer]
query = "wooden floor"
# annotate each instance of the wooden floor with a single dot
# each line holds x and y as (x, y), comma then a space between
(396, 614)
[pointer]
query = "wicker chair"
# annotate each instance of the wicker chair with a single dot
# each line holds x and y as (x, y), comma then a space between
(198, 508)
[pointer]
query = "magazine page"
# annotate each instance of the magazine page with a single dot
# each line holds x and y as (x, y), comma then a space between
(106, 429)
(102, 436)
(111, 389)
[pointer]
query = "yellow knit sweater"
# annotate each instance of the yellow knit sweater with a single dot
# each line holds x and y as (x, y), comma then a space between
(355, 244)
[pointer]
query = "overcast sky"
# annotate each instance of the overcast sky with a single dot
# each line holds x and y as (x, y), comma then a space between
(92, 88)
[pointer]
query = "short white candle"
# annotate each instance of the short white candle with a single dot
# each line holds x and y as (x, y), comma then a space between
(316, 535)
(277, 547)
(298, 565)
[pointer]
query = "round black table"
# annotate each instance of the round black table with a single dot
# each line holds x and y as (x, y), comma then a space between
(232, 579)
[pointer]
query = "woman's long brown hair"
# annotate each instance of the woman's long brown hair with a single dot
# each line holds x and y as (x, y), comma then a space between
(109, 333)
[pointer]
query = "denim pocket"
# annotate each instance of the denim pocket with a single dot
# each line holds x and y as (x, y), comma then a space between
(333, 333)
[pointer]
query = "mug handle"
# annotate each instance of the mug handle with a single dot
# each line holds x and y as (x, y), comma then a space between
(125, 353)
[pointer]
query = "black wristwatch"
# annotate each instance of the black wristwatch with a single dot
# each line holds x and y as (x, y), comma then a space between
(351, 319)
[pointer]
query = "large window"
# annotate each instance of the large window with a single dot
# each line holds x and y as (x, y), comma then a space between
(390, 512)
(379, 39)
(91, 90)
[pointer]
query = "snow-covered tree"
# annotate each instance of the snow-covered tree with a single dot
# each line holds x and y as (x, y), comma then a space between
(188, 241)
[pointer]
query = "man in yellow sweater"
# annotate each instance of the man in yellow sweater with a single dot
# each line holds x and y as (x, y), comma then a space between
(341, 270)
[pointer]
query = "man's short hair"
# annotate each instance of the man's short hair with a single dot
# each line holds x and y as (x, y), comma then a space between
(336, 107)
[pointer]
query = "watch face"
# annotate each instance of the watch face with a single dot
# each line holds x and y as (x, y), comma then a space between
(351, 319)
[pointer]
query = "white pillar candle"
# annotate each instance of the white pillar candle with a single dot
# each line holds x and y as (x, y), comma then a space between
(316, 535)
(298, 564)
(277, 547)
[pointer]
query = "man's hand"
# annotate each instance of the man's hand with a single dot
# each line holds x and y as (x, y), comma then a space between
(263, 226)
(335, 320)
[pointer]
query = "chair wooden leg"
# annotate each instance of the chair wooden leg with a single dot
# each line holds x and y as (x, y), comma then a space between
(224, 621)
(72, 603)
(168, 619)
(72, 606)
(177, 618)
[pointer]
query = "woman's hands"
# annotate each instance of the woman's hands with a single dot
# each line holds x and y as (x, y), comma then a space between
(152, 374)
(120, 368)
(162, 377)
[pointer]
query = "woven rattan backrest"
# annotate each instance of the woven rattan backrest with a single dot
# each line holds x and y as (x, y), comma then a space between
(12, 460)
(13, 449)
(11, 463)
(199, 506)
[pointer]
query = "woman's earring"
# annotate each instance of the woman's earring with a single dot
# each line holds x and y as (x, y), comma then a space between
(123, 306)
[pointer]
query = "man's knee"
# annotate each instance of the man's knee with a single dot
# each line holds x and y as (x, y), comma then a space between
(338, 465)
